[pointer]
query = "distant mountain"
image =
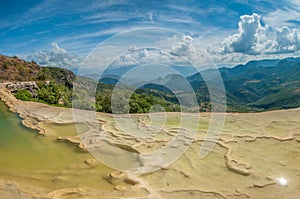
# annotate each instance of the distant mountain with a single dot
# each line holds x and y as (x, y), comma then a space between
(264, 63)
(109, 79)
(255, 86)
(120, 71)
(158, 87)
(185, 70)
(139, 76)
(173, 82)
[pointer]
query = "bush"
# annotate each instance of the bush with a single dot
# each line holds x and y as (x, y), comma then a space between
(23, 95)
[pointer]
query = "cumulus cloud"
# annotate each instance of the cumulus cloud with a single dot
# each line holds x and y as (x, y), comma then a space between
(55, 57)
(185, 46)
(179, 52)
(188, 49)
(250, 33)
(287, 40)
(146, 56)
(253, 38)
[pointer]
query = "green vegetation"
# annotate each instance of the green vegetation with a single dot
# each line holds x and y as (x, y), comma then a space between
(138, 102)
(15, 69)
(59, 94)
(49, 93)
(257, 86)
(24, 95)
(54, 93)
(249, 88)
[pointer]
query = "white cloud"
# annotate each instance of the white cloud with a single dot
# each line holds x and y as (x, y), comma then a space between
(249, 34)
(96, 5)
(56, 57)
(97, 34)
(179, 51)
(253, 38)
(185, 46)
(284, 16)
(196, 10)
(146, 56)
(150, 16)
(175, 19)
(287, 40)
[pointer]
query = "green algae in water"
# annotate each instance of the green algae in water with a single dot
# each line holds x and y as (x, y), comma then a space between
(23, 148)
(32, 159)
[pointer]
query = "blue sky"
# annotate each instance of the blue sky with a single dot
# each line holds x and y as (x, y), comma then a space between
(231, 31)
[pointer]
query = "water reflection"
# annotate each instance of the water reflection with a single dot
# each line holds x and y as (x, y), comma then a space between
(282, 181)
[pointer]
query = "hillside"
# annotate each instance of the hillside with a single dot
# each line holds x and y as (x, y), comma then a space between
(14, 69)
(55, 86)
(255, 86)
(265, 87)
(259, 85)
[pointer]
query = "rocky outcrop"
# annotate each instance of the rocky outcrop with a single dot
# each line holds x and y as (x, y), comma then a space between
(14, 86)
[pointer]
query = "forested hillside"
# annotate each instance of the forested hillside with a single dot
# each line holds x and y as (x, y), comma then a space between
(255, 86)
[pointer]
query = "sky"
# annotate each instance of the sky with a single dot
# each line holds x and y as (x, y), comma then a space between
(62, 33)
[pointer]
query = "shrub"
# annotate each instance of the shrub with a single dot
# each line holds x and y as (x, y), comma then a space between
(23, 95)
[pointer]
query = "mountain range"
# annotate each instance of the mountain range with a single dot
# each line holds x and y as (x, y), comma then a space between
(255, 86)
